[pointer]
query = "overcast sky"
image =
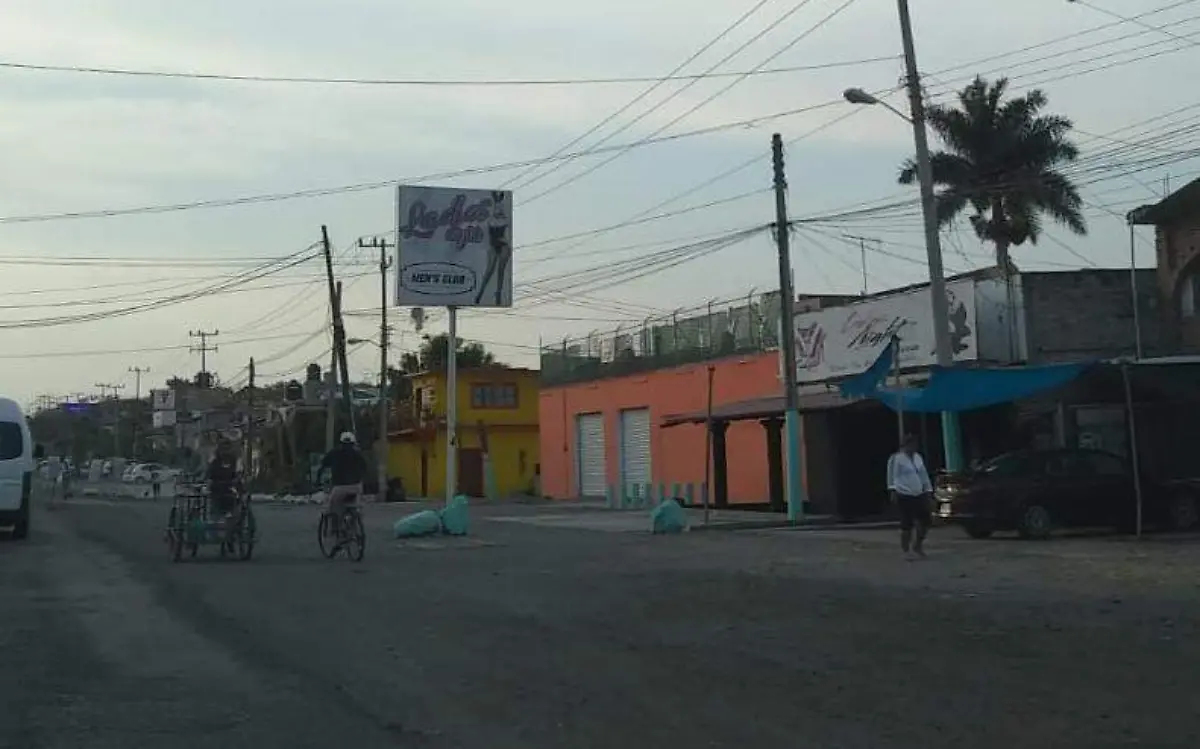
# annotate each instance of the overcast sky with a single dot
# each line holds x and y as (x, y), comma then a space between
(83, 142)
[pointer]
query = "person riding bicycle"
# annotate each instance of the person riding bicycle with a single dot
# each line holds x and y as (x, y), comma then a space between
(347, 469)
(223, 480)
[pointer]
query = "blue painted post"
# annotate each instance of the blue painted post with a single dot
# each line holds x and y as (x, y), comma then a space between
(608, 496)
(689, 494)
(675, 492)
(662, 493)
(649, 489)
(795, 481)
(704, 493)
(952, 441)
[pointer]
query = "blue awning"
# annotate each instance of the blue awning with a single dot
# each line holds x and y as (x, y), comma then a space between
(866, 383)
(965, 389)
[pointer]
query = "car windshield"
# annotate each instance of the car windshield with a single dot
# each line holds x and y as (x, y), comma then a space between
(11, 443)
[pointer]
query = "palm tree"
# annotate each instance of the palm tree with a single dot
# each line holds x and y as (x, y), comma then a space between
(1001, 161)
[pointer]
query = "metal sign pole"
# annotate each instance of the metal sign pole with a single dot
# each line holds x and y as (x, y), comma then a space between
(452, 405)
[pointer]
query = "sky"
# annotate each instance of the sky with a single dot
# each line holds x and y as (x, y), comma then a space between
(82, 142)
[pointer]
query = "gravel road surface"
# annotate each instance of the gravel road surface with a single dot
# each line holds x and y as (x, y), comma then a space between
(552, 636)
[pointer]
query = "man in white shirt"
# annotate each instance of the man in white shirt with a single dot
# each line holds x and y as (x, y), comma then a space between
(910, 489)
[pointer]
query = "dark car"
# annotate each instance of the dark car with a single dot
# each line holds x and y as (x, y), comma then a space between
(1034, 491)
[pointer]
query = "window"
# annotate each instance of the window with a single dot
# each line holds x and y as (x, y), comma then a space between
(1187, 294)
(12, 445)
(1104, 464)
(494, 395)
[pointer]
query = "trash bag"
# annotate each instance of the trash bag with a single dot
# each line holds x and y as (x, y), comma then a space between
(455, 521)
(668, 517)
(424, 523)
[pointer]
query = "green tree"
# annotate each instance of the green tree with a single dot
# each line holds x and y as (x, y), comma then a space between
(1001, 161)
(433, 353)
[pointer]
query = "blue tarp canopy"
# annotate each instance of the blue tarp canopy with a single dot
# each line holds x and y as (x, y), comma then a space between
(966, 389)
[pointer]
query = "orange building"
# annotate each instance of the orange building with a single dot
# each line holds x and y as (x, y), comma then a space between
(610, 432)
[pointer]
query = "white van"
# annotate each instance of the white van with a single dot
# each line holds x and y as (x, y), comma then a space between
(16, 468)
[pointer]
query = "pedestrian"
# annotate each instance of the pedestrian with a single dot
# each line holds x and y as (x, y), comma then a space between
(156, 483)
(911, 491)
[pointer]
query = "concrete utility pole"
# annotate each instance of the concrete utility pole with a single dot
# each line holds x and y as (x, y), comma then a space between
(381, 445)
(933, 242)
(137, 399)
(203, 349)
(787, 338)
(106, 388)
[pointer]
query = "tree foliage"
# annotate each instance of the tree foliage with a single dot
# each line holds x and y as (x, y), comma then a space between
(1002, 162)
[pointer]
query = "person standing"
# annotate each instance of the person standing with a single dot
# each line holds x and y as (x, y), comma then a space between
(911, 491)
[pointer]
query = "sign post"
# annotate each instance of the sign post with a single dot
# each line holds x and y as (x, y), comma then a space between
(453, 249)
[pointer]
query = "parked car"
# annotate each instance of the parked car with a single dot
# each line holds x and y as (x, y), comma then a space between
(1035, 491)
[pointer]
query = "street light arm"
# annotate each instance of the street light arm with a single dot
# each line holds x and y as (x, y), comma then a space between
(861, 96)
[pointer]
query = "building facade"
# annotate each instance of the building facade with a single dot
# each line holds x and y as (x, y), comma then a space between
(617, 421)
(497, 430)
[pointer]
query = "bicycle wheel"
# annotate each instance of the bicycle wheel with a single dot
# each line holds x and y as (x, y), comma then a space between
(355, 538)
(245, 536)
(326, 535)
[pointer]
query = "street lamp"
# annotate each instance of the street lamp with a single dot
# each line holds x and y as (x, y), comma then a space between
(933, 245)
(859, 96)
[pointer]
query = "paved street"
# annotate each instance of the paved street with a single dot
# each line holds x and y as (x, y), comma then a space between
(537, 635)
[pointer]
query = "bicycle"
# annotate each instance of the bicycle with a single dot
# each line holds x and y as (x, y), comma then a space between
(346, 528)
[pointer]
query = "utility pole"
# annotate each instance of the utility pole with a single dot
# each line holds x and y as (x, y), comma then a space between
(862, 248)
(933, 243)
(787, 339)
(339, 328)
(248, 460)
(203, 350)
(381, 445)
(137, 404)
(106, 388)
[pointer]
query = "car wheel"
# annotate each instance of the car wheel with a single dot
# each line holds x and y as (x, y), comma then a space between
(978, 530)
(20, 529)
(1184, 512)
(1035, 522)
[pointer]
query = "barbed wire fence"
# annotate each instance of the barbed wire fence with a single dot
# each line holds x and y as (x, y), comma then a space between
(744, 324)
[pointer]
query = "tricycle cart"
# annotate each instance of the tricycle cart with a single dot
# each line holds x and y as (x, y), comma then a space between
(190, 524)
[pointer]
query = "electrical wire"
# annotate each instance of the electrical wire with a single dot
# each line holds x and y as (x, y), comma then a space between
(432, 82)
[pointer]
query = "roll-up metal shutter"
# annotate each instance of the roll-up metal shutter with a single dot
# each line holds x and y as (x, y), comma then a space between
(590, 461)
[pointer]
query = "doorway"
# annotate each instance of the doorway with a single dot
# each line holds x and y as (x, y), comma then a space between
(470, 472)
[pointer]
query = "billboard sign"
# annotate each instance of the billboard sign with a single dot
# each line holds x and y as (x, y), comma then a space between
(162, 400)
(841, 341)
(454, 247)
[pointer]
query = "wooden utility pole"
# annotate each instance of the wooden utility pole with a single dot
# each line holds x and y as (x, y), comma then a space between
(330, 386)
(203, 350)
(248, 460)
(381, 444)
(339, 328)
(106, 388)
(137, 405)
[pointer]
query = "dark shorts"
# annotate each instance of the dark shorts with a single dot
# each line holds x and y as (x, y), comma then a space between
(914, 510)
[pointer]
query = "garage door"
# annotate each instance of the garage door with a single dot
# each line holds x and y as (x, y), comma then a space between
(635, 446)
(589, 439)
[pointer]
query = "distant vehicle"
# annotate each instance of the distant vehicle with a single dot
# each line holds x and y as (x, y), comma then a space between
(17, 462)
(144, 473)
(1035, 491)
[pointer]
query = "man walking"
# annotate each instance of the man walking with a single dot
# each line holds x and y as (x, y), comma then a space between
(910, 489)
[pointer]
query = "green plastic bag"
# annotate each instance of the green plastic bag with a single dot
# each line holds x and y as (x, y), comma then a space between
(455, 519)
(668, 517)
(424, 523)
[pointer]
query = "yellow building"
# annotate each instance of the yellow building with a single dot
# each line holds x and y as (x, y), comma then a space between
(497, 409)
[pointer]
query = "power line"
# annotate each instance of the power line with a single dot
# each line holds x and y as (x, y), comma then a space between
(430, 82)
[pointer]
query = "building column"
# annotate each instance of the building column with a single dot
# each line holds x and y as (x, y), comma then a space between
(720, 465)
(774, 433)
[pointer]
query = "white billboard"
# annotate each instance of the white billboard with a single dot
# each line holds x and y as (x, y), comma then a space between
(164, 419)
(841, 341)
(454, 247)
